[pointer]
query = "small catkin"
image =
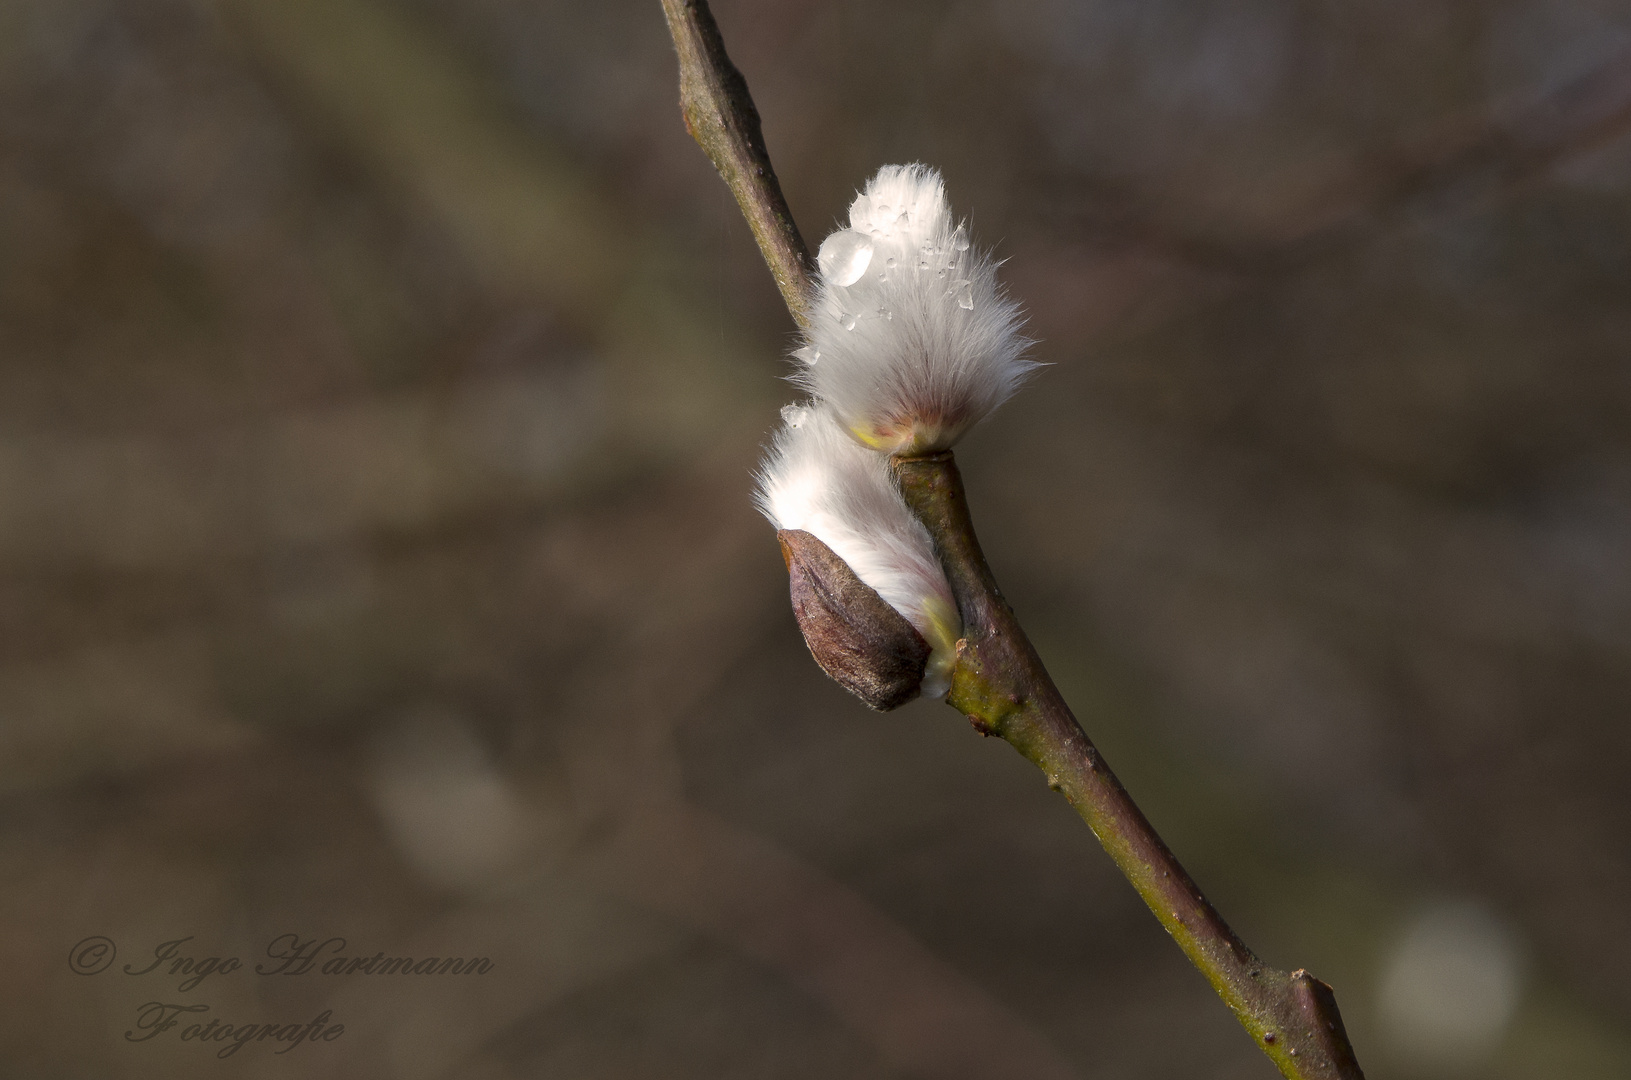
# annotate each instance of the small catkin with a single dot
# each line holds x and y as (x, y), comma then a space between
(816, 479)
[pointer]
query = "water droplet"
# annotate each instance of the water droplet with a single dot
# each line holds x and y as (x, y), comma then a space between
(959, 239)
(889, 264)
(809, 354)
(939, 273)
(844, 257)
(964, 291)
(794, 415)
(885, 313)
(860, 211)
(847, 320)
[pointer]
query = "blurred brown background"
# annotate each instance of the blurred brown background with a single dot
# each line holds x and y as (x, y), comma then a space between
(380, 382)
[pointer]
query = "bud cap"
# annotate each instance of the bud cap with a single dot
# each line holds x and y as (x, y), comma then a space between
(864, 644)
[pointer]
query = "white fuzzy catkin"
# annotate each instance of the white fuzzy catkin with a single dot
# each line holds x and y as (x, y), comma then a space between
(818, 479)
(911, 340)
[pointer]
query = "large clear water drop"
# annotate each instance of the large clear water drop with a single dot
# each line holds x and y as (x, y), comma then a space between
(844, 257)
(964, 291)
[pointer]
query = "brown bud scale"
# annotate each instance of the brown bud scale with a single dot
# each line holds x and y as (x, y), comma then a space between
(857, 638)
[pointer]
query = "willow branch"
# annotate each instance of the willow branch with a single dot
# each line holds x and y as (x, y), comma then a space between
(720, 115)
(999, 681)
(1000, 684)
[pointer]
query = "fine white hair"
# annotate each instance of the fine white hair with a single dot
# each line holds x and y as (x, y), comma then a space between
(911, 340)
(818, 479)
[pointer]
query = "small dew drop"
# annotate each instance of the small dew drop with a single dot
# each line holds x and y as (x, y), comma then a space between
(959, 239)
(847, 320)
(964, 291)
(794, 415)
(809, 354)
(885, 313)
(844, 257)
(889, 264)
(860, 210)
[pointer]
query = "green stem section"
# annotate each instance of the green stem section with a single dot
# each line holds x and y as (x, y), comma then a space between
(1000, 684)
